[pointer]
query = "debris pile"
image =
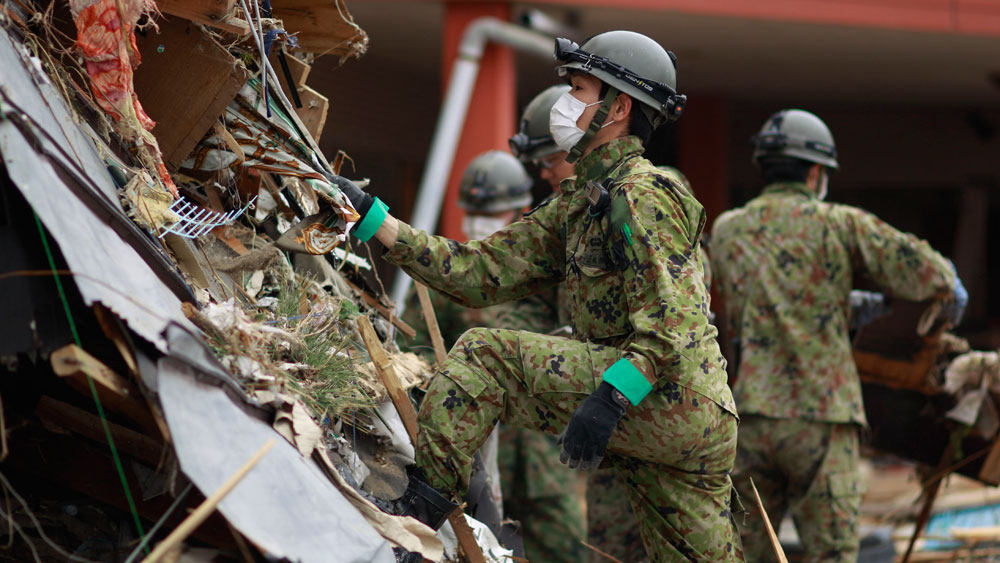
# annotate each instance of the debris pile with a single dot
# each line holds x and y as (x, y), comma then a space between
(157, 344)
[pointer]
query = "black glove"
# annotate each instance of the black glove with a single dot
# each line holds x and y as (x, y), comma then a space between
(359, 199)
(586, 436)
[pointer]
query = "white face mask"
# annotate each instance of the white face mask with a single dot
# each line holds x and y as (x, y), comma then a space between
(562, 121)
(479, 226)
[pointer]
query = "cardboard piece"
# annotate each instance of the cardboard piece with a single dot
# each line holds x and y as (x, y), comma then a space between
(185, 82)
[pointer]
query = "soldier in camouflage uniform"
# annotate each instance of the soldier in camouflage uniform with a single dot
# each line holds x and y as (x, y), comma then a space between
(784, 264)
(644, 381)
(537, 490)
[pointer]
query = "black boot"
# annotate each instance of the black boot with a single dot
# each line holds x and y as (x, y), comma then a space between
(423, 502)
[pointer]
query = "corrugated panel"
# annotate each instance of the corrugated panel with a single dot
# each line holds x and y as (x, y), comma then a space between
(285, 505)
(108, 269)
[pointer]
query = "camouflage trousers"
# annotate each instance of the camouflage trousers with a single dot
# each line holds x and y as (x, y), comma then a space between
(674, 451)
(541, 493)
(611, 523)
(809, 468)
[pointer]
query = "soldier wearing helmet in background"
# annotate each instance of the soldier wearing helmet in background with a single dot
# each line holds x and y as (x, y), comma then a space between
(784, 264)
(643, 380)
(539, 491)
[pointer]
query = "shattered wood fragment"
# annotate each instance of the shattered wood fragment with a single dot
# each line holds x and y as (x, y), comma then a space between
(88, 425)
(990, 472)
(88, 469)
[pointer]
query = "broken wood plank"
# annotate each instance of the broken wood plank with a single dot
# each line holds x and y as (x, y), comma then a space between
(115, 392)
(372, 302)
(313, 111)
(89, 426)
(205, 509)
(185, 109)
(73, 362)
(399, 398)
(432, 325)
(387, 373)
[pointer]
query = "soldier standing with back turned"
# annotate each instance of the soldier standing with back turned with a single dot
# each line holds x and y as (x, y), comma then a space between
(784, 264)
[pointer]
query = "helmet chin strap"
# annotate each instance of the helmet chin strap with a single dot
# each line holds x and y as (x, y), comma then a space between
(595, 125)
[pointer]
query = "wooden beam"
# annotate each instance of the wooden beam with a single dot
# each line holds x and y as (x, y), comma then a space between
(115, 392)
(48, 458)
(89, 426)
(432, 325)
(399, 398)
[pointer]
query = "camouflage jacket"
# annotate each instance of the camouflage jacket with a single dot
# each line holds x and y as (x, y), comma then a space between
(536, 313)
(638, 288)
(784, 265)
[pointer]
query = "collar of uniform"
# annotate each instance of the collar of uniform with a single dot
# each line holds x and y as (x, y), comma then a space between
(604, 158)
(799, 188)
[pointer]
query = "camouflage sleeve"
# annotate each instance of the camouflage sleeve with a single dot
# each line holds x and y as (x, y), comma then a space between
(667, 299)
(536, 313)
(899, 263)
(521, 259)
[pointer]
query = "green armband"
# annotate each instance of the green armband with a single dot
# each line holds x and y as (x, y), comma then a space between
(368, 226)
(626, 378)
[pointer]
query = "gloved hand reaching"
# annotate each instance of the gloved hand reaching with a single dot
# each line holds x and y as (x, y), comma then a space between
(586, 436)
(359, 199)
(372, 210)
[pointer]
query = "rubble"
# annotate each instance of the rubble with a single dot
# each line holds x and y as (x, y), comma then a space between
(156, 336)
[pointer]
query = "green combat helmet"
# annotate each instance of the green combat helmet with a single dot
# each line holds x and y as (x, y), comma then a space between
(629, 63)
(493, 182)
(798, 134)
(534, 140)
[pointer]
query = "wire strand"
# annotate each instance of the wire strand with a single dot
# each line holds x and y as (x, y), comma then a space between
(90, 380)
